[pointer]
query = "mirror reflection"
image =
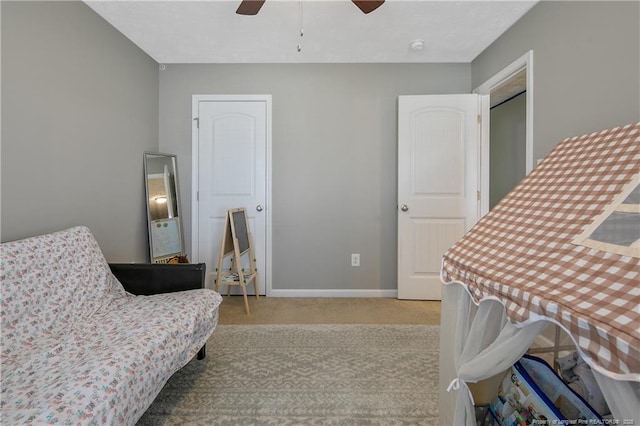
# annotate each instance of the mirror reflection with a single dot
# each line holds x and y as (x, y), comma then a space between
(165, 227)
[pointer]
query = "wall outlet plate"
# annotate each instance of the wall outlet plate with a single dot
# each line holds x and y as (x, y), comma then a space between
(355, 259)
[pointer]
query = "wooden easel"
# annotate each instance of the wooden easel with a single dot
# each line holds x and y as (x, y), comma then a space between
(236, 242)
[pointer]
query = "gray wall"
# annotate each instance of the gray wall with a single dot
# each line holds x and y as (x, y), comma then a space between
(79, 107)
(586, 74)
(334, 159)
(507, 159)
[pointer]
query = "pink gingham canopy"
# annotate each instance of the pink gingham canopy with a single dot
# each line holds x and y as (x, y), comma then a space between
(523, 253)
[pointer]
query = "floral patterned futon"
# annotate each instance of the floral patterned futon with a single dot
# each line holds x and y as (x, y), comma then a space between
(78, 349)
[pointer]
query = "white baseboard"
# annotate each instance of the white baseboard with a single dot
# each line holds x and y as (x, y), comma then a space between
(333, 293)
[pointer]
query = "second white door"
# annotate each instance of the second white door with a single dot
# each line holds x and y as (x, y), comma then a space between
(438, 158)
(231, 158)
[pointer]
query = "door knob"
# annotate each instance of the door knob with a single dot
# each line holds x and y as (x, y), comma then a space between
(259, 207)
(404, 208)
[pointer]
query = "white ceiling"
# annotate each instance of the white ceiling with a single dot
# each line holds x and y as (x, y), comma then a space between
(184, 31)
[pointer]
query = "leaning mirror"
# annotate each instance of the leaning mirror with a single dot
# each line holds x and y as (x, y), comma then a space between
(163, 207)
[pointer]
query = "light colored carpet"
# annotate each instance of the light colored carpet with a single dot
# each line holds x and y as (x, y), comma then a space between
(307, 375)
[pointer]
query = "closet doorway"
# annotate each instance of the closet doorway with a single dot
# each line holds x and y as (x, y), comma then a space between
(508, 133)
(507, 149)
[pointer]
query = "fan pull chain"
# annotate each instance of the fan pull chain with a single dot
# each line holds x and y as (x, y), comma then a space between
(300, 21)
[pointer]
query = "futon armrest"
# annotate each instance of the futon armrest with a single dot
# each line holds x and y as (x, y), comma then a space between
(154, 278)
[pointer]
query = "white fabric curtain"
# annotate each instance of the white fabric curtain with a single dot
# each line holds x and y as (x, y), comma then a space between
(478, 342)
(623, 398)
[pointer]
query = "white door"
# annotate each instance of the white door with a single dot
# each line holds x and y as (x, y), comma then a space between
(231, 143)
(438, 159)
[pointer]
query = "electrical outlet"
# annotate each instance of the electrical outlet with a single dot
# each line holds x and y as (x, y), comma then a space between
(355, 259)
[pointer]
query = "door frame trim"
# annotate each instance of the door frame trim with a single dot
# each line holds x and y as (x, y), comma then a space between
(195, 101)
(525, 62)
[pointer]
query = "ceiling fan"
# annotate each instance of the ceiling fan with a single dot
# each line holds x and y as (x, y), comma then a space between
(252, 7)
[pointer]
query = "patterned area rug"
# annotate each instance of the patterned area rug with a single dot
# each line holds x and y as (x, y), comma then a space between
(307, 375)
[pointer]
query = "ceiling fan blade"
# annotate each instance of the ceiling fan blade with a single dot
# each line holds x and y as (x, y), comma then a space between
(250, 7)
(368, 6)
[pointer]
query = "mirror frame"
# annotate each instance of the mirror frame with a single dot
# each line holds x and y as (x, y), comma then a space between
(173, 224)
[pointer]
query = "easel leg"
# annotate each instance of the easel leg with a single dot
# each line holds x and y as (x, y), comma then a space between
(246, 301)
(255, 286)
(252, 265)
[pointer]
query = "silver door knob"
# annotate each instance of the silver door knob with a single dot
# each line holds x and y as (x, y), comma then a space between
(404, 208)
(259, 208)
